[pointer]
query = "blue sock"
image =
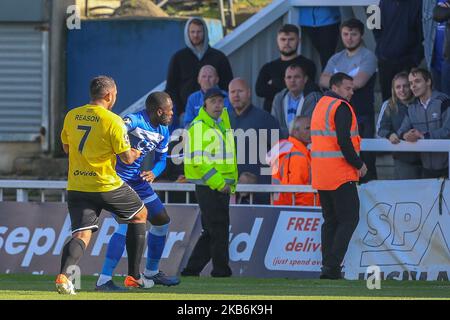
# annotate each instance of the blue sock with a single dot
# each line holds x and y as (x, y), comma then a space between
(115, 249)
(156, 239)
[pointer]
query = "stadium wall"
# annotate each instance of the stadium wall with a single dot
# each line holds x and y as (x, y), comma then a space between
(135, 52)
(404, 229)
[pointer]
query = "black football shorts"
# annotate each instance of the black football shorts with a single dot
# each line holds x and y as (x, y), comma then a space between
(85, 207)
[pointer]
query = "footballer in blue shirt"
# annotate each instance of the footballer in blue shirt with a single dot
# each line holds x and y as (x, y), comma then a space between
(148, 132)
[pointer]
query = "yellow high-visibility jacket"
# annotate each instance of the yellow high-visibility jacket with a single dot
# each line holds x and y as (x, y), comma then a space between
(210, 153)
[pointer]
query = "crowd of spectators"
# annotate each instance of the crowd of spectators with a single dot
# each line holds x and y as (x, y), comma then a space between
(413, 33)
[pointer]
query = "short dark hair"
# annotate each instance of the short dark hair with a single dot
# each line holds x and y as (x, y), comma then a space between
(424, 72)
(288, 28)
(353, 24)
(337, 79)
(155, 100)
(296, 66)
(100, 86)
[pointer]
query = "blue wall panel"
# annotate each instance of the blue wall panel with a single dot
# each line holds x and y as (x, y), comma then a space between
(136, 53)
(22, 11)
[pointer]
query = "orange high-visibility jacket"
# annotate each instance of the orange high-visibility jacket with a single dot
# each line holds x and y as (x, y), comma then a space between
(328, 166)
(292, 165)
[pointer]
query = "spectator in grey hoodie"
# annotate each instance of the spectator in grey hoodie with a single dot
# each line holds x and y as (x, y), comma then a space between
(295, 100)
(186, 63)
(428, 118)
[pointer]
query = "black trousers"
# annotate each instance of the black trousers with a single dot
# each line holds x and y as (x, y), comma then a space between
(213, 242)
(340, 209)
(324, 39)
(366, 128)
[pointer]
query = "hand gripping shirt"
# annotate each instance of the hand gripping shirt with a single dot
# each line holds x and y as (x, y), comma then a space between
(145, 138)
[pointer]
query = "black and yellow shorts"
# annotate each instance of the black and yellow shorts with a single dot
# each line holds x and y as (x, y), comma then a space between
(85, 207)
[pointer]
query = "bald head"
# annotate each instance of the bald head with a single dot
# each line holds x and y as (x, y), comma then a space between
(301, 129)
(207, 68)
(239, 94)
(239, 82)
(207, 77)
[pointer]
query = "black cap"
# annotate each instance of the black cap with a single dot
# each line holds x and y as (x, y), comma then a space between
(214, 92)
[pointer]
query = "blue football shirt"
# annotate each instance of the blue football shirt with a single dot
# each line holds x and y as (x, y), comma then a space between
(145, 138)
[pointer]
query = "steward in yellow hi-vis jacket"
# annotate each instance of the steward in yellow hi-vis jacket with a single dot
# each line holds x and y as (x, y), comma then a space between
(210, 163)
(210, 154)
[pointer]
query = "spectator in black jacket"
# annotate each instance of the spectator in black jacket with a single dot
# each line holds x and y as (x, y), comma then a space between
(186, 63)
(271, 76)
(441, 13)
(399, 41)
(256, 131)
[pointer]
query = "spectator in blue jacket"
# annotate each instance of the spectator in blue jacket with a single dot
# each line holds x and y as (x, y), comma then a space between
(207, 78)
(434, 34)
(441, 14)
(399, 41)
(321, 24)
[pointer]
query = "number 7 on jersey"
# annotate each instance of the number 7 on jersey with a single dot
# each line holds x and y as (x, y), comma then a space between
(87, 130)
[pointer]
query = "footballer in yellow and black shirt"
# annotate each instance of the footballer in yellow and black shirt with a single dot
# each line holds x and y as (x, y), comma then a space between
(95, 136)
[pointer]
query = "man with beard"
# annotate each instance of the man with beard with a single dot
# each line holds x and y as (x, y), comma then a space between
(361, 64)
(147, 130)
(335, 169)
(271, 76)
(94, 137)
(185, 64)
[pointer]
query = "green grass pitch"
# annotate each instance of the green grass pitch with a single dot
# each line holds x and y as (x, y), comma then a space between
(31, 287)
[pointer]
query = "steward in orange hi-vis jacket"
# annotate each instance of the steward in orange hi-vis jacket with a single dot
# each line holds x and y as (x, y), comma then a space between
(291, 165)
(336, 168)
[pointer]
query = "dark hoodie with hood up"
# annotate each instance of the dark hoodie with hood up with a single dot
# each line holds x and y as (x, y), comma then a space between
(186, 63)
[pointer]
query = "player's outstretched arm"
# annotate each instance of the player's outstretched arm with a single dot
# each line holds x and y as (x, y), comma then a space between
(129, 156)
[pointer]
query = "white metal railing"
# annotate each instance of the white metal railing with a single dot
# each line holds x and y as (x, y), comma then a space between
(23, 187)
(436, 145)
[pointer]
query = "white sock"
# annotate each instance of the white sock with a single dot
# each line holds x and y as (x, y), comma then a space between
(103, 279)
(150, 273)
